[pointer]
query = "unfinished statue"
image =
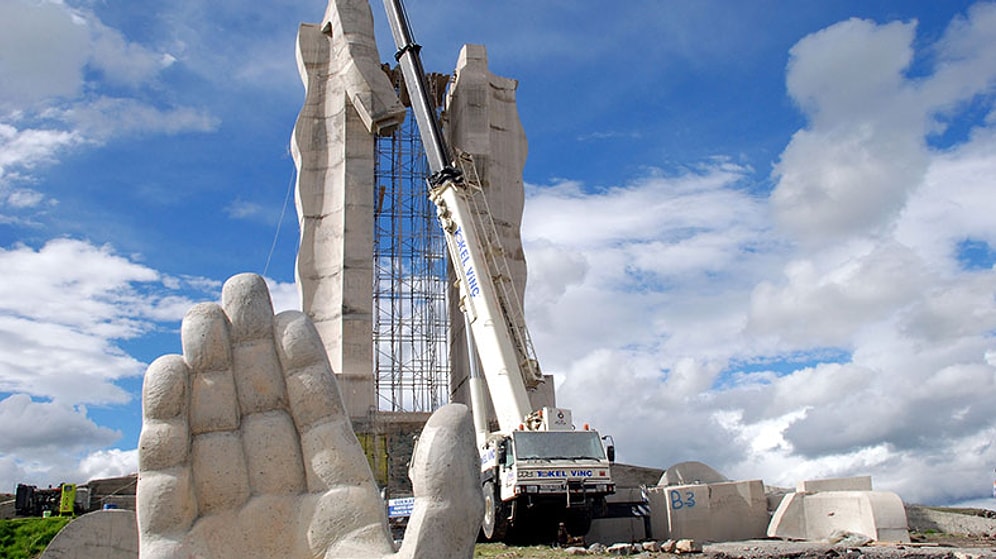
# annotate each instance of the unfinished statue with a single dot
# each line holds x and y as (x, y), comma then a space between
(246, 451)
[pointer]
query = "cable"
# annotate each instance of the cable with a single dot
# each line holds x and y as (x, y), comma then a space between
(283, 211)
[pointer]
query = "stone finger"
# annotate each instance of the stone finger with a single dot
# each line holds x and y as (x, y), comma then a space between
(165, 438)
(349, 522)
(166, 504)
(445, 474)
(207, 351)
(259, 380)
(330, 450)
(273, 454)
(165, 492)
(221, 480)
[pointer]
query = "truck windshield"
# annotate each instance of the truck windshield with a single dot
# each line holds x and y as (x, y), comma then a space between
(552, 445)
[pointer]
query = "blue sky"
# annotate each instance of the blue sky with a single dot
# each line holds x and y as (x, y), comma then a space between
(759, 234)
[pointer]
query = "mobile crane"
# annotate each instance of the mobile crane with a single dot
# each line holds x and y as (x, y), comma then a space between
(538, 473)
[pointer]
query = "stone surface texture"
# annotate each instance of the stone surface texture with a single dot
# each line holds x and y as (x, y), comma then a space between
(856, 483)
(247, 451)
(878, 515)
(348, 100)
(713, 512)
(108, 534)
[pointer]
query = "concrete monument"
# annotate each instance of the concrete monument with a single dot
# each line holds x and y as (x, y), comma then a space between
(348, 101)
(247, 451)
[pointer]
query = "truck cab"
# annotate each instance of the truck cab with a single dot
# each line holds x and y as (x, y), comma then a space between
(543, 478)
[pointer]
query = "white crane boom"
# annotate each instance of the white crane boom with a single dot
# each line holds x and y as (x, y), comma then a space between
(537, 472)
(508, 363)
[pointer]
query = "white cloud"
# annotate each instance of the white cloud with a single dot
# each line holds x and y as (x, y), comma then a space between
(821, 300)
(63, 310)
(71, 81)
(63, 313)
(27, 427)
(284, 296)
(955, 202)
(619, 253)
(47, 54)
(123, 62)
(43, 443)
(43, 55)
(850, 170)
(25, 198)
(105, 117)
(655, 301)
(864, 151)
(112, 462)
(189, 32)
(27, 148)
(966, 63)
(254, 211)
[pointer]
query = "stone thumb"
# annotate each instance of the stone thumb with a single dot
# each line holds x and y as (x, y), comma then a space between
(445, 473)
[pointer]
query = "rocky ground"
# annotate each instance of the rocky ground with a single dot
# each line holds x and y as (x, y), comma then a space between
(935, 534)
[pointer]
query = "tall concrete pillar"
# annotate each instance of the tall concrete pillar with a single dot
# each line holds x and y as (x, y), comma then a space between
(482, 119)
(348, 101)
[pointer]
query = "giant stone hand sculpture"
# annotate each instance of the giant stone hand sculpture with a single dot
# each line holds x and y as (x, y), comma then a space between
(246, 453)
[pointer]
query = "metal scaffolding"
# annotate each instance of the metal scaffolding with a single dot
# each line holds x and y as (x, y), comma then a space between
(410, 321)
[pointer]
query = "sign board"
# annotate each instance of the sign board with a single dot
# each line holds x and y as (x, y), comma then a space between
(399, 508)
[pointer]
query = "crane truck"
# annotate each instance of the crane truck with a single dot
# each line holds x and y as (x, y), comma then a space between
(539, 474)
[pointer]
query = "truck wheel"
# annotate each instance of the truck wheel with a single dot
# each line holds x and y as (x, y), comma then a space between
(578, 522)
(495, 524)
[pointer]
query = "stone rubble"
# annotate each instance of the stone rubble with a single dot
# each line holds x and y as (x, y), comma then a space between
(645, 549)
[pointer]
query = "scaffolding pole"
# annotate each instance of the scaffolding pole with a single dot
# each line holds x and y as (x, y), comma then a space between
(411, 323)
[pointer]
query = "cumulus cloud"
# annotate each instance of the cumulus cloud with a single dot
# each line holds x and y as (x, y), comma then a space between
(26, 148)
(850, 170)
(864, 151)
(51, 46)
(71, 81)
(828, 329)
(953, 203)
(44, 443)
(41, 443)
(104, 118)
(284, 296)
(27, 427)
(618, 253)
(112, 462)
(65, 308)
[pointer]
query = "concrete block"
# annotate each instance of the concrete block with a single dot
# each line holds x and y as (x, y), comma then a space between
(775, 498)
(691, 473)
(7, 509)
(617, 530)
(108, 534)
(879, 515)
(726, 511)
(857, 483)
